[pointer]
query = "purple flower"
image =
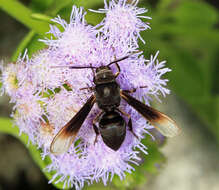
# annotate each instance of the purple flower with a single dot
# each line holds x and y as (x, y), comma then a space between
(123, 21)
(14, 78)
(47, 93)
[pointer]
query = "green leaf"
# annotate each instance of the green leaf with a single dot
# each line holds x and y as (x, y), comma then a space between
(165, 4)
(208, 109)
(58, 5)
(91, 18)
(189, 42)
(40, 5)
(64, 8)
(35, 45)
(99, 186)
(30, 41)
(42, 17)
(6, 128)
(191, 15)
(23, 14)
(23, 45)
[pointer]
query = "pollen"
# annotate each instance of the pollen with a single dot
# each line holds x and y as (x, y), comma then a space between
(46, 129)
(24, 108)
(12, 81)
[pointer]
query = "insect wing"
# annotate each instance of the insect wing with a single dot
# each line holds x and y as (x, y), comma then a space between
(63, 140)
(165, 125)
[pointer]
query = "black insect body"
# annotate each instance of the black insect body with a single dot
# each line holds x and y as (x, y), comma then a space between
(112, 128)
(111, 123)
(106, 90)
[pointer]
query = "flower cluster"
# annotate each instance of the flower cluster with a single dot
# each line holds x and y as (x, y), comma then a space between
(47, 93)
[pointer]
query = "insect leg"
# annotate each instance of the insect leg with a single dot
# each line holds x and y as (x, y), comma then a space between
(92, 70)
(134, 89)
(129, 121)
(95, 127)
(118, 67)
(96, 131)
(90, 88)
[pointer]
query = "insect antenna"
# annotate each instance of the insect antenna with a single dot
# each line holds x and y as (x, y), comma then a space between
(123, 58)
(74, 67)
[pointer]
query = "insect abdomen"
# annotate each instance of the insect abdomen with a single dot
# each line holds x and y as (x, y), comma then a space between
(112, 129)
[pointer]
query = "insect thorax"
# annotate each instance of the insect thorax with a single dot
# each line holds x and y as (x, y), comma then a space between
(107, 96)
(104, 75)
(107, 90)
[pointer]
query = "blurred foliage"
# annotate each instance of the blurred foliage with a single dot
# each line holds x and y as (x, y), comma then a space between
(6, 128)
(187, 35)
(185, 32)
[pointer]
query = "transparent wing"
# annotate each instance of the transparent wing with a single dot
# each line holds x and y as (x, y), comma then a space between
(165, 125)
(63, 140)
